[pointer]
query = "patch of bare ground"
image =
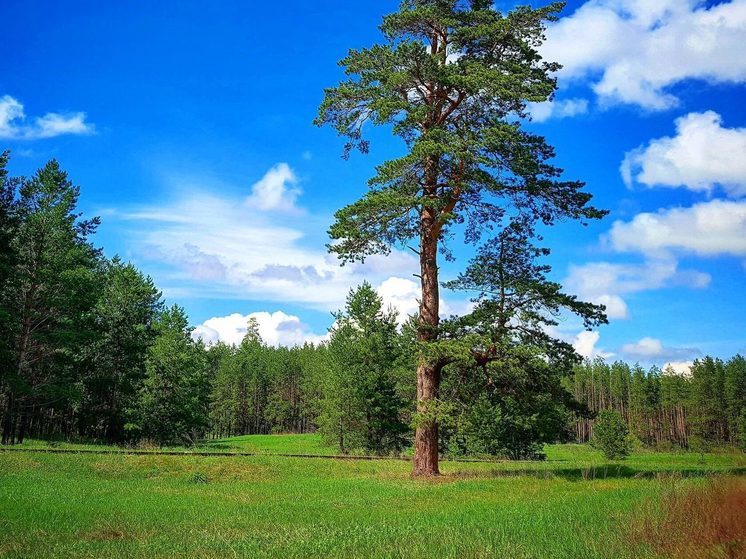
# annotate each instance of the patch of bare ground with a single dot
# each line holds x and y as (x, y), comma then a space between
(704, 522)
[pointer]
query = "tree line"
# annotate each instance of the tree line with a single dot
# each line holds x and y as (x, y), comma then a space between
(89, 350)
(662, 408)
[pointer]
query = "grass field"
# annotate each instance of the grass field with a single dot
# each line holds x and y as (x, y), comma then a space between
(574, 505)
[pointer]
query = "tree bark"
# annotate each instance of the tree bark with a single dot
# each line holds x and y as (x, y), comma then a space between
(426, 435)
(428, 373)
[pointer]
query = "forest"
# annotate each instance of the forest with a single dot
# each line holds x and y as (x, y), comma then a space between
(473, 199)
(91, 352)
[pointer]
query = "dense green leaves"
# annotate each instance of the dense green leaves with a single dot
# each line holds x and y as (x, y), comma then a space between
(610, 435)
(173, 402)
(362, 408)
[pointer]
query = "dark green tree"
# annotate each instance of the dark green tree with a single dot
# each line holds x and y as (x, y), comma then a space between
(516, 366)
(610, 435)
(735, 397)
(55, 288)
(452, 79)
(8, 302)
(124, 314)
(516, 305)
(174, 401)
(361, 408)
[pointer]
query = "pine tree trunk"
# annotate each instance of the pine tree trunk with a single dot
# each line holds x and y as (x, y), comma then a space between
(428, 374)
(426, 436)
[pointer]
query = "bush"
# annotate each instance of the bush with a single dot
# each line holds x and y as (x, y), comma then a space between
(611, 436)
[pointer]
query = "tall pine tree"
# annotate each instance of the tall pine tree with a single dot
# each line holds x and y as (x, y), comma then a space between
(452, 79)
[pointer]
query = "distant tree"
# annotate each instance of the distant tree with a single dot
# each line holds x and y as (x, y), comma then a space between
(709, 407)
(452, 79)
(610, 435)
(173, 402)
(735, 397)
(361, 408)
(741, 421)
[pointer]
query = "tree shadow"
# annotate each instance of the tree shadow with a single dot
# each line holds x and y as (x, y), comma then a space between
(604, 471)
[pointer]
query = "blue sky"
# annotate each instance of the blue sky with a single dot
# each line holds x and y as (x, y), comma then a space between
(188, 127)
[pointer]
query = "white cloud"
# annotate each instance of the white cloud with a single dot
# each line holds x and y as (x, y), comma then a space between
(401, 294)
(541, 112)
(681, 368)
(701, 155)
(585, 345)
(404, 296)
(202, 245)
(277, 329)
(275, 191)
(616, 307)
(634, 50)
(705, 229)
(13, 125)
(652, 350)
(606, 282)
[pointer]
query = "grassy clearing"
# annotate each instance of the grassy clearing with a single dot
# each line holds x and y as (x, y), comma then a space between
(571, 506)
(272, 444)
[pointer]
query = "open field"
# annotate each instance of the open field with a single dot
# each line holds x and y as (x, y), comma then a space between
(574, 505)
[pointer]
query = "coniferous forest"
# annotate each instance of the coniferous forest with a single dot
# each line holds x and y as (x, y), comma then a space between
(91, 351)
(414, 278)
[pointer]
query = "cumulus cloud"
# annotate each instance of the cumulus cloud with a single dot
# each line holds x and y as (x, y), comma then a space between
(701, 155)
(401, 294)
(606, 282)
(652, 350)
(15, 126)
(541, 112)
(275, 191)
(277, 329)
(632, 51)
(404, 296)
(585, 345)
(681, 368)
(705, 229)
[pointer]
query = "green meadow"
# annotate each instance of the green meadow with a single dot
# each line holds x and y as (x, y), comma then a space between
(573, 505)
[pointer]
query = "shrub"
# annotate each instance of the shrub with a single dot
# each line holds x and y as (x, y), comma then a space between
(611, 436)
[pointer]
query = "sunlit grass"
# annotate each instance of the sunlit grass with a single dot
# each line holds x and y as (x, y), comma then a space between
(574, 505)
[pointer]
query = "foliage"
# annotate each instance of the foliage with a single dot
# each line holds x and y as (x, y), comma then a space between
(610, 435)
(173, 403)
(52, 291)
(361, 408)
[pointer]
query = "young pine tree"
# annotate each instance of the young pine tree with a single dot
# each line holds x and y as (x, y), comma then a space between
(610, 435)
(361, 408)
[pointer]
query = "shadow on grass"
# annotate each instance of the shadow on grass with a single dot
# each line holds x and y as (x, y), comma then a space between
(605, 471)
